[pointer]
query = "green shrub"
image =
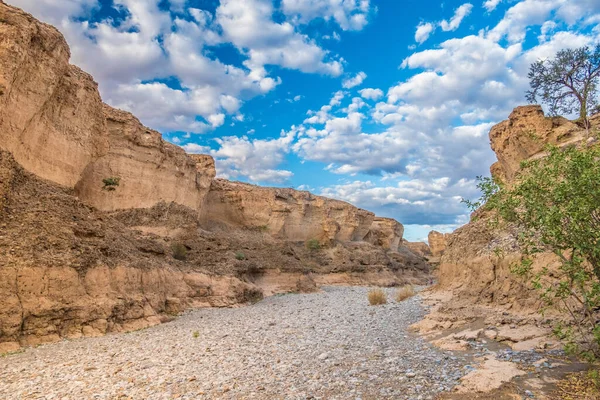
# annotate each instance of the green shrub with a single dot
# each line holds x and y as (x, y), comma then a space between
(313, 244)
(195, 334)
(240, 256)
(111, 183)
(179, 251)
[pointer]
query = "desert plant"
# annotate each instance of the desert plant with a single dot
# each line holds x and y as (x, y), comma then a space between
(405, 292)
(179, 251)
(377, 297)
(313, 244)
(555, 204)
(240, 256)
(111, 183)
(195, 334)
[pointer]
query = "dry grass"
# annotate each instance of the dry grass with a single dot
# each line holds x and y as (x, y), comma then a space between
(404, 293)
(377, 297)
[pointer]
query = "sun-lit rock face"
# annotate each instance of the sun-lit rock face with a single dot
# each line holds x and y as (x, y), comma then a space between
(53, 121)
(420, 248)
(524, 135)
(285, 213)
(385, 232)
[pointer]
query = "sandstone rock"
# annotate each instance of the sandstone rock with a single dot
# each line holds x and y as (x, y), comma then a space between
(437, 242)
(284, 213)
(524, 135)
(386, 233)
(53, 121)
(419, 248)
(81, 257)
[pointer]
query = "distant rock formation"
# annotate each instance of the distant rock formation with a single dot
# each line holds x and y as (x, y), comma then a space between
(105, 227)
(420, 248)
(437, 242)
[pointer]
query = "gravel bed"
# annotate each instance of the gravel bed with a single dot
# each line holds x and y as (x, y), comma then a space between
(328, 345)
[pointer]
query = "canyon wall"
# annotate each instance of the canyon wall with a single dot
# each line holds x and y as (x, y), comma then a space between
(478, 256)
(106, 227)
(53, 121)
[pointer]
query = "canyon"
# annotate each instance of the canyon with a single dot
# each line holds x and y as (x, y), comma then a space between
(106, 227)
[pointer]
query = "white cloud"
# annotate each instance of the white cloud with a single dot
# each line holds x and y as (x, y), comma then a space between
(371, 94)
(248, 24)
(490, 5)
(459, 14)
(424, 29)
(356, 80)
(348, 14)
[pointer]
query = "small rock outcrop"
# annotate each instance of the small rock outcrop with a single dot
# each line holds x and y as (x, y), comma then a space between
(420, 248)
(524, 135)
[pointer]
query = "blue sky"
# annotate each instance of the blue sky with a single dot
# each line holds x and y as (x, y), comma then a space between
(385, 104)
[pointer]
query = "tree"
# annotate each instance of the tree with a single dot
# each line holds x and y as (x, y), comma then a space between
(568, 83)
(555, 204)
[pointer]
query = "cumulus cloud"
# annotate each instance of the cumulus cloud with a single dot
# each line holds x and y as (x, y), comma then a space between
(248, 24)
(371, 94)
(348, 14)
(354, 81)
(424, 29)
(436, 201)
(134, 55)
(459, 14)
(490, 5)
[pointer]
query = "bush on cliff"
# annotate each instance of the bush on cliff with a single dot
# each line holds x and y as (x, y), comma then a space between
(555, 202)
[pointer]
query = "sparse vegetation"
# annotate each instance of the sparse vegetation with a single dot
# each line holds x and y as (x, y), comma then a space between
(405, 292)
(179, 251)
(240, 256)
(313, 244)
(111, 184)
(580, 386)
(195, 334)
(377, 297)
(555, 204)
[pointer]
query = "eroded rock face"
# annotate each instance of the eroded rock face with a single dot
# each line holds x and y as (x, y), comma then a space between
(149, 170)
(437, 242)
(524, 135)
(386, 233)
(419, 248)
(53, 121)
(51, 116)
(284, 213)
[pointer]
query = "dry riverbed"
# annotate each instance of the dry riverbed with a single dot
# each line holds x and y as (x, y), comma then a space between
(329, 345)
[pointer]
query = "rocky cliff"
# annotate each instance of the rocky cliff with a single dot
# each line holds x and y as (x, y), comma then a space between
(477, 259)
(53, 121)
(105, 227)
